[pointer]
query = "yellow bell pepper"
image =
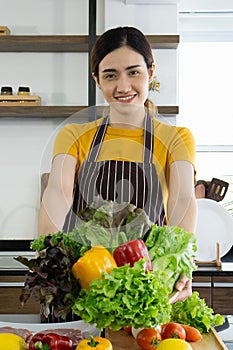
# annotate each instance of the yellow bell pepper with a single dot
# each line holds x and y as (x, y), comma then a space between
(97, 343)
(92, 264)
(10, 341)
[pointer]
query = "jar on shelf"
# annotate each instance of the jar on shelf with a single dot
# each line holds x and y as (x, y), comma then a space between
(6, 90)
(24, 90)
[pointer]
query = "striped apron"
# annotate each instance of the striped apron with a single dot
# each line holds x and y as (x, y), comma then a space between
(120, 181)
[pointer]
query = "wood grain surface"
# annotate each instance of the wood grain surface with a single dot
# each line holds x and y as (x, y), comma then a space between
(122, 341)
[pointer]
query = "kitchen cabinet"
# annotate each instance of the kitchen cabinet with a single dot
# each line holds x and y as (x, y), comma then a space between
(223, 294)
(66, 43)
(202, 285)
(10, 290)
(12, 278)
(216, 287)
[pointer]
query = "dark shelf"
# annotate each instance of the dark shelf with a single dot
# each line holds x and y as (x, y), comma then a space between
(66, 43)
(61, 111)
(164, 41)
(168, 110)
(69, 43)
(44, 43)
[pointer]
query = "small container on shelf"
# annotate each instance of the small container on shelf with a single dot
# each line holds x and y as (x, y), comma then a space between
(6, 90)
(23, 97)
(4, 30)
(24, 90)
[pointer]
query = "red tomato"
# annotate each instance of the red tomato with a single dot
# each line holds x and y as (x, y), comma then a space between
(173, 330)
(128, 329)
(148, 338)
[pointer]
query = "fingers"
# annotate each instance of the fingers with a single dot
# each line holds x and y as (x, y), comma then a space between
(184, 286)
(181, 283)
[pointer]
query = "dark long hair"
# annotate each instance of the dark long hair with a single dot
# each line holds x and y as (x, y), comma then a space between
(116, 38)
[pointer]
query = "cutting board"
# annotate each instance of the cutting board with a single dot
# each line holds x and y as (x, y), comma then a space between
(122, 340)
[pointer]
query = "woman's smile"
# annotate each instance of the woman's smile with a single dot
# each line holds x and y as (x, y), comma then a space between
(126, 99)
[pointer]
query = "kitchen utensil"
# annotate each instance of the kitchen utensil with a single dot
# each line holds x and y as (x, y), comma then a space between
(214, 225)
(217, 189)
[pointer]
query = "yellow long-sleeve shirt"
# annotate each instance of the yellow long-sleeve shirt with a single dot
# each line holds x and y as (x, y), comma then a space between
(171, 143)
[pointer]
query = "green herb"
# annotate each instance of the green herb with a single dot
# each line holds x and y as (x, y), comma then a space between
(128, 296)
(172, 249)
(69, 240)
(194, 312)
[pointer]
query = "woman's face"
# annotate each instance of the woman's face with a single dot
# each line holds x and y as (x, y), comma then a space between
(124, 77)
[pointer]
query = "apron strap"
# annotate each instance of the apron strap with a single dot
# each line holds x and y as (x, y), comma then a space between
(97, 141)
(101, 131)
(148, 139)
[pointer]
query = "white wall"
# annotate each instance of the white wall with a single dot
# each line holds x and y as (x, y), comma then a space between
(25, 144)
(151, 19)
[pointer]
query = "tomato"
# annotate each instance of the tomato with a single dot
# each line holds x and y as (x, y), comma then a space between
(128, 329)
(148, 338)
(192, 333)
(173, 330)
(174, 344)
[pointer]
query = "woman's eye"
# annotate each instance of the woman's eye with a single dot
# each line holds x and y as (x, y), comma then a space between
(109, 76)
(134, 72)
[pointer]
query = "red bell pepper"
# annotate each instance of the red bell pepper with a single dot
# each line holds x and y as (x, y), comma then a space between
(130, 252)
(50, 341)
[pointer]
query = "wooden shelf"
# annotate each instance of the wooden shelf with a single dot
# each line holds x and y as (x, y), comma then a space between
(164, 41)
(44, 43)
(69, 43)
(168, 110)
(66, 43)
(61, 111)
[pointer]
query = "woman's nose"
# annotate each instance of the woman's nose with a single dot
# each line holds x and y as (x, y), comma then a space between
(123, 84)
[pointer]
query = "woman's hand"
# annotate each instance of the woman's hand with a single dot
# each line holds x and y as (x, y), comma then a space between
(184, 288)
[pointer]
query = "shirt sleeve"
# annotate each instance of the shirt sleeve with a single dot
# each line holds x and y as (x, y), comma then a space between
(182, 146)
(66, 142)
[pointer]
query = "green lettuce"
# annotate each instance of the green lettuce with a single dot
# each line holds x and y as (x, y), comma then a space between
(172, 250)
(128, 296)
(110, 224)
(194, 312)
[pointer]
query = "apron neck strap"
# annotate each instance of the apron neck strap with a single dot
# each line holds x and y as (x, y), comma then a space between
(101, 131)
(98, 140)
(148, 139)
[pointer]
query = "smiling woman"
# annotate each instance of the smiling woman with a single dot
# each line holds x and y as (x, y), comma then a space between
(129, 156)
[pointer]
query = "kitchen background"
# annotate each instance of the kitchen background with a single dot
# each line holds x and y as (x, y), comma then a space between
(62, 79)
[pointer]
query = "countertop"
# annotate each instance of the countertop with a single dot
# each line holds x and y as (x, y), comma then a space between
(210, 270)
(21, 247)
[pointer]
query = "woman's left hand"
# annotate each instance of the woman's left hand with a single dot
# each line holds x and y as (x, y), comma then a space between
(184, 287)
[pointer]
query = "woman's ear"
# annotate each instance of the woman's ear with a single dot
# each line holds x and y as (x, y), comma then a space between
(96, 79)
(152, 72)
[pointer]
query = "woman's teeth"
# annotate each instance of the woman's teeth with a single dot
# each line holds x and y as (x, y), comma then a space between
(125, 98)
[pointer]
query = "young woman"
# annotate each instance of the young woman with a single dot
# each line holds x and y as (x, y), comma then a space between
(128, 156)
